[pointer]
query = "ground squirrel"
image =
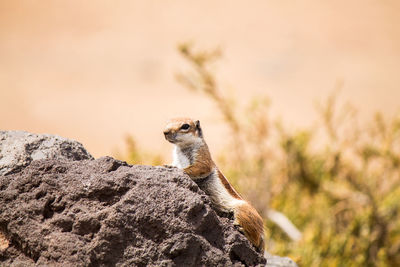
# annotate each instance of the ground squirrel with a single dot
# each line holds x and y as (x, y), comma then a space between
(192, 155)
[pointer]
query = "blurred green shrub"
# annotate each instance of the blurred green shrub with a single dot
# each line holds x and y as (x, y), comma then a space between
(135, 155)
(338, 183)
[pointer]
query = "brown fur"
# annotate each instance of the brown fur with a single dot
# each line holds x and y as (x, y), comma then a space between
(202, 167)
(251, 222)
(198, 170)
(228, 186)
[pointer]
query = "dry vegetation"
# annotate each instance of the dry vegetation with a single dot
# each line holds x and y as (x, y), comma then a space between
(330, 196)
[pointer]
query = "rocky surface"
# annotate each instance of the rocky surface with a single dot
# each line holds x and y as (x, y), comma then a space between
(18, 149)
(104, 212)
(63, 208)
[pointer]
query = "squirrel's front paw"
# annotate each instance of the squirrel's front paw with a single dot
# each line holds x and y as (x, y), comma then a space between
(239, 228)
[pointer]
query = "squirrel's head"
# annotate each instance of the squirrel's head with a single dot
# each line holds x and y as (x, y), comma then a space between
(183, 131)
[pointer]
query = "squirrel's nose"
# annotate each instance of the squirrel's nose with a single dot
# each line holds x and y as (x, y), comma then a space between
(166, 132)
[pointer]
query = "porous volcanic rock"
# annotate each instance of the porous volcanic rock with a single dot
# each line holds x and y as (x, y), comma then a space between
(60, 207)
(105, 212)
(18, 149)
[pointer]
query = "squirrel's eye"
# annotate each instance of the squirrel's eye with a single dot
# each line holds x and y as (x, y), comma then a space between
(185, 126)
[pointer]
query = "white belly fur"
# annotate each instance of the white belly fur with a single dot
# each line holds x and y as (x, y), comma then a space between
(219, 195)
(179, 159)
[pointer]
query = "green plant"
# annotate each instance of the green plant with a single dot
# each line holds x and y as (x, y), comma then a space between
(135, 155)
(342, 190)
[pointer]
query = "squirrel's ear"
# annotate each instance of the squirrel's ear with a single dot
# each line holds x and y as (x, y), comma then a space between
(198, 128)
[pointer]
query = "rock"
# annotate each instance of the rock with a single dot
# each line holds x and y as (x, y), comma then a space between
(104, 212)
(60, 207)
(276, 261)
(18, 149)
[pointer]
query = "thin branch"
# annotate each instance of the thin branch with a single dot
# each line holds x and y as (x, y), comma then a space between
(285, 224)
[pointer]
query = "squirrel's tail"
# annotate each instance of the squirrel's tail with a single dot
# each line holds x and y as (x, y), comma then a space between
(251, 224)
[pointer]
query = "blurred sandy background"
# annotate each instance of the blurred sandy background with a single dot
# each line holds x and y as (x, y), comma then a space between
(95, 71)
